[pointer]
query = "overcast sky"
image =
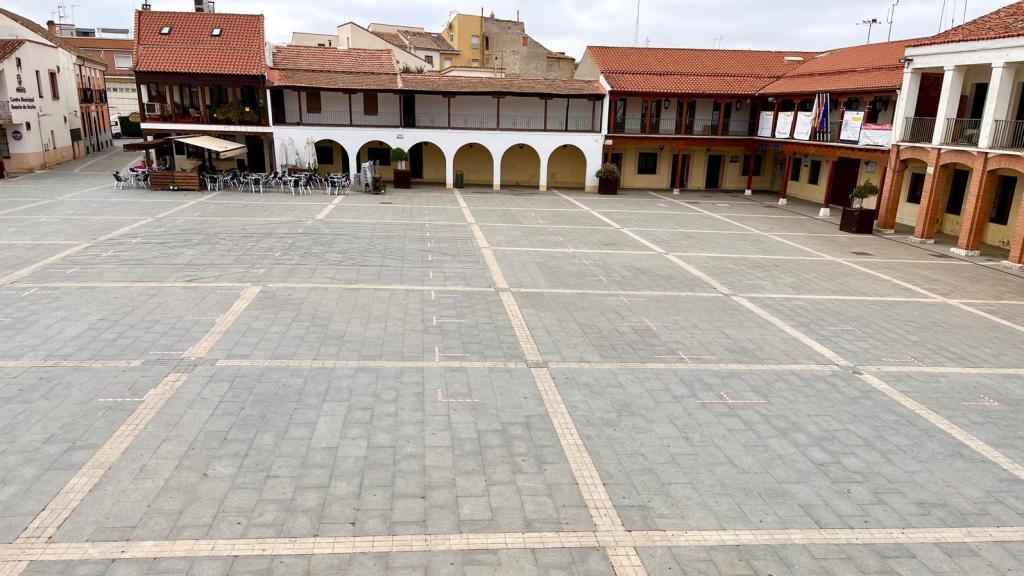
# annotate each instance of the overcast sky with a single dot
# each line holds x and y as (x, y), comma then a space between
(570, 25)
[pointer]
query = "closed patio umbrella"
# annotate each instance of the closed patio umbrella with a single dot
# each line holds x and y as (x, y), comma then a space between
(311, 154)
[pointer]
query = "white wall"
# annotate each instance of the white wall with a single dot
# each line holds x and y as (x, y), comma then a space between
(351, 35)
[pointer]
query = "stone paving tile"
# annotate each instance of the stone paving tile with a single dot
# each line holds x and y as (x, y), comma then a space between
(902, 333)
(294, 252)
(52, 420)
(805, 277)
(49, 229)
(708, 330)
(11, 202)
(92, 207)
(484, 202)
(396, 212)
(560, 238)
(743, 243)
(538, 217)
(1009, 312)
(986, 405)
(366, 324)
(963, 282)
(578, 562)
(107, 323)
(268, 452)
(786, 225)
(984, 559)
(824, 451)
(244, 209)
(564, 270)
(642, 221)
(730, 207)
(650, 203)
(847, 247)
(430, 196)
(14, 257)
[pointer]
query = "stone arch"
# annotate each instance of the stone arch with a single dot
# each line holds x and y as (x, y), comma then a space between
(567, 167)
(521, 166)
(1005, 162)
(427, 162)
(915, 153)
(372, 151)
(476, 163)
(329, 149)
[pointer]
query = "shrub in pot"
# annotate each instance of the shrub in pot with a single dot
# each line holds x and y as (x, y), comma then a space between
(400, 158)
(861, 193)
(608, 177)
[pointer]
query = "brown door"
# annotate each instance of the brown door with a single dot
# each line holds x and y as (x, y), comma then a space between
(844, 180)
(712, 179)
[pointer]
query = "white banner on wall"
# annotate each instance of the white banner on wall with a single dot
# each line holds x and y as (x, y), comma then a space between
(804, 121)
(853, 121)
(876, 135)
(785, 125)
(764, 126)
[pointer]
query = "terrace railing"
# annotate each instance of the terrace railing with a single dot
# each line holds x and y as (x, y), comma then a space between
(1008, 134)
(962, 131)
(918, 130)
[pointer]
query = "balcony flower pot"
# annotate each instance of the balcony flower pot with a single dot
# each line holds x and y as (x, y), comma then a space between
(608, 178)
(857, 219)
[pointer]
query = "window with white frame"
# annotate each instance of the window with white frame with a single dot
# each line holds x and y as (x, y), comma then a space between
(123, 61)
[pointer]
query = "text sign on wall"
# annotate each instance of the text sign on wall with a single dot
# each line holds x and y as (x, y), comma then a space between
(785, 125)
(764, 125)
(853, 121)
(17, 135)
(804, 121)
(876, 135)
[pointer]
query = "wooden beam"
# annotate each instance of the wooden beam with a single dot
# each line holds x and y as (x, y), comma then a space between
(545, 114)
(350, 122)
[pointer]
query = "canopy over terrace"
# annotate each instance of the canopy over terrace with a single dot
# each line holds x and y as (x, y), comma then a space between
(185, 180)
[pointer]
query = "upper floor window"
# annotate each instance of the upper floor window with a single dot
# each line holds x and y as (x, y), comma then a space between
(447, 62)
(54, 86)
(429, 59)
(474, 42)
(487, 42)
(123, 61)
(370, 103)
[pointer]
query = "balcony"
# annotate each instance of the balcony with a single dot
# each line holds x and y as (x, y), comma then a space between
(829, 136)
(693, 127)
(1008, 134)
(233, 114)
(962, 131)
(444, 121)
(918, 130)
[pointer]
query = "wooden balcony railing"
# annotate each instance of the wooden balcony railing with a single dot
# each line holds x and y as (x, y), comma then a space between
(444, 121)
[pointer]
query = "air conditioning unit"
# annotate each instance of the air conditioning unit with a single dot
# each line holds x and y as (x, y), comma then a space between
(152, 108)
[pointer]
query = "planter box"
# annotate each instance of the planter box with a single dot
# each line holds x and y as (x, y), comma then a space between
(403, 179)
(857, 220)
(607, 187)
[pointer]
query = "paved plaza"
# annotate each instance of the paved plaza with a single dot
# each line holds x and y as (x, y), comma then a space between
(445, 383)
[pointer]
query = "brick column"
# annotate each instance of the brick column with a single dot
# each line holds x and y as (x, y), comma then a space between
(977, 207)
(1017, 244)
(935, 186)
(892, 189)
(783, 200)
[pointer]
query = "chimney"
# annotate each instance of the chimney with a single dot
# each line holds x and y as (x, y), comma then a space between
(146, 6)
(204, 5)
(51, 26)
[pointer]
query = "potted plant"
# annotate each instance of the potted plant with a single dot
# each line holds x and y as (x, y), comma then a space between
(608, 177)
(856, 218)
(400, 159)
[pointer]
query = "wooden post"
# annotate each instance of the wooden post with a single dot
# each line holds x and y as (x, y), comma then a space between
(401, 111)
(545, 114)
(302, 93)
(647, 116)
(350, 122)
(449, 99)
(775, 118)
(567, 102)
(593, 115)
(497, 120)
(750, 173)
(679, 170)
(202, 104)
(785, 180)
(721, 117)
(612, 111)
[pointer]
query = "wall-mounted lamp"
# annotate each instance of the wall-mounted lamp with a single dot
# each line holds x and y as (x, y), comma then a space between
(520, 146)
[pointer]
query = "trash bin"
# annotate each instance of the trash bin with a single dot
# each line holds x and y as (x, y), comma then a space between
(460, 179)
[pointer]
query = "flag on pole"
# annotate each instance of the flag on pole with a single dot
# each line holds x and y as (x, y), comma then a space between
(824, 112)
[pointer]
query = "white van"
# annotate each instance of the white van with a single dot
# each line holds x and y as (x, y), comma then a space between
(115, 127)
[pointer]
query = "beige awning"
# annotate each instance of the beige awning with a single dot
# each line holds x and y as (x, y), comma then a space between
(223, 148)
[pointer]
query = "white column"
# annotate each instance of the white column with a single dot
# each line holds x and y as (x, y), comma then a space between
(449, 169)
(544, 172)
(497, 171)
(906, 102)
(949, 100)
(997, 103)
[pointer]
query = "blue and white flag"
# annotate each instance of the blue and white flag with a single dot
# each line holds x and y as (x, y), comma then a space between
(824, 113)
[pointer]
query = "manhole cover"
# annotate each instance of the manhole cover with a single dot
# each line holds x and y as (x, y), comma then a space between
(862, 253)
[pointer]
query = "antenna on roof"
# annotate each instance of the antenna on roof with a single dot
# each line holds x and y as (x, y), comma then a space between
(870, 24)
(636, 31)
(891, 18)
(942, 14)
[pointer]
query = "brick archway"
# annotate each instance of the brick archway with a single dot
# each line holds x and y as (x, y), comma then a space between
(958, 157)
(915, 153)
(1005, 162)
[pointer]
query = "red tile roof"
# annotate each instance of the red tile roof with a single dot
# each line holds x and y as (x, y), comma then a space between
(393, 38)
(334, 59)
(697, 71)
(190, 48)
(45, 33)
(1007, 22)
(9, 47)
(427, 41)
(483, 85)
(855, 69)
(332, 80)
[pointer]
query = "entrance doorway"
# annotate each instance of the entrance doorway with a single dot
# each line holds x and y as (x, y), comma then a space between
(416, 161)
(255, 157)
(847, 171)
(682, 171)
(713, 178)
